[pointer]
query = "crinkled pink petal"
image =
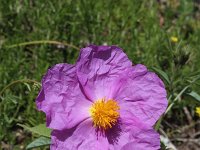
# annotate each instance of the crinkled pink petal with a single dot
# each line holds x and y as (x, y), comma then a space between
(117, 136)
(141, 136)
(143, 139)
(82, 137)
(62, 99)
(142, 96)
(130, 131)
(99, 69)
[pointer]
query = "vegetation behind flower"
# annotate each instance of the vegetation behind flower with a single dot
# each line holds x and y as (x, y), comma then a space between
(142, 29)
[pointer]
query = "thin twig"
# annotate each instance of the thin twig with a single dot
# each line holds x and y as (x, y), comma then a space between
(188, 115)
(43, 42)
(186, 140)
(177, 97)
(18, 81)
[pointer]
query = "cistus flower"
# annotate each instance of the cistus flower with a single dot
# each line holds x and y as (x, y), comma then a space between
(102, 102)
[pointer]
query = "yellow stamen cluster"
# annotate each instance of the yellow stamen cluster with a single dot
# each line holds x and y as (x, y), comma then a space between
(104, 113)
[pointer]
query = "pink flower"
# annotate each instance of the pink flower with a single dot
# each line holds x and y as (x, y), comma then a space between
(102, 102)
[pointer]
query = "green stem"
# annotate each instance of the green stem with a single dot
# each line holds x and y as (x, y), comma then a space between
(157, 126)
(177, 97)
(18, 81)
(43, 42)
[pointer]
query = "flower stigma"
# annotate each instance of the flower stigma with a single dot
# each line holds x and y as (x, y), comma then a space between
(104, 113)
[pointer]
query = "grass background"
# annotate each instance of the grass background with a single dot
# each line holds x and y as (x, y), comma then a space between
(142, 28)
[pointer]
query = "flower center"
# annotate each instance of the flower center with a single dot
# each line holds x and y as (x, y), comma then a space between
(104, 113)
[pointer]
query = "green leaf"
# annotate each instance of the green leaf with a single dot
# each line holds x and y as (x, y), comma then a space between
(39, 142)
(28, 86)
(162, 74)
(40, 129)
(194, 95)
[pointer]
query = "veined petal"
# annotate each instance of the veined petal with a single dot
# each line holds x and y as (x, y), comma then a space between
(99, 69)
(132, 134)
(141, 135)
(82, 137)
(142, 96)
(146, 139)
(61, 98)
